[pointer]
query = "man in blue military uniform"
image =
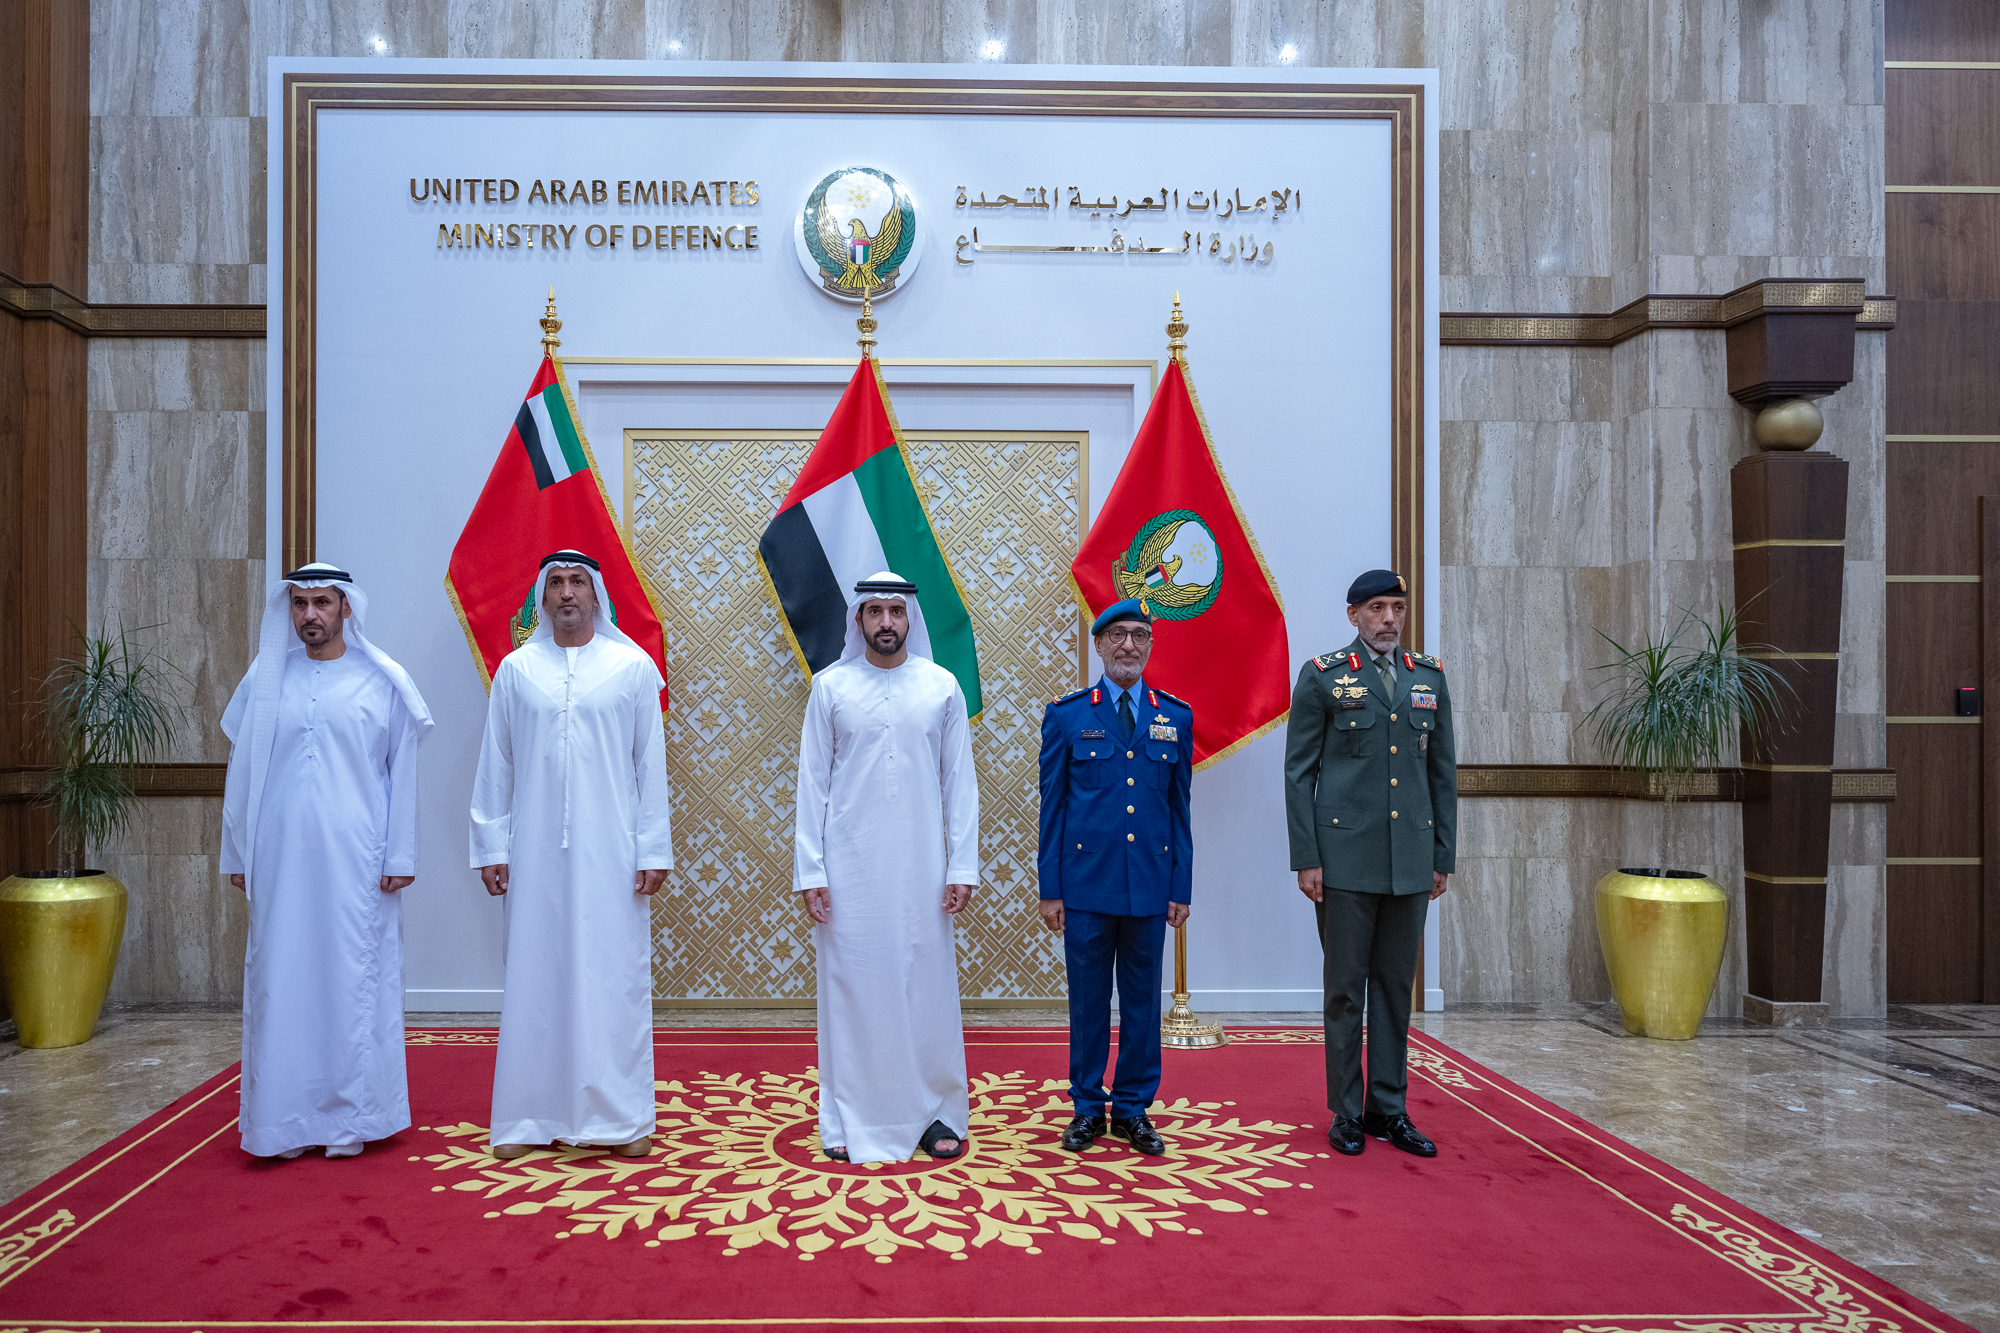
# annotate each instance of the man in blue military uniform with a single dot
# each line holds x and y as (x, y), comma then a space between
(1371, 805)
(1117, 868)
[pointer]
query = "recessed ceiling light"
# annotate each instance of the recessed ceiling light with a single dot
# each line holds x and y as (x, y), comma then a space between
(993, 50)
(1287, 54)
(673, 48)
(380, 45)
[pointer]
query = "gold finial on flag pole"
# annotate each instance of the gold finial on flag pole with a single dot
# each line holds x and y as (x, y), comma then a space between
(550, 327)
(1177, 333)
(867, 326)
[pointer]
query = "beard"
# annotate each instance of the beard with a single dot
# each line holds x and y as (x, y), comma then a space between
(893, 645)
(1382, 640)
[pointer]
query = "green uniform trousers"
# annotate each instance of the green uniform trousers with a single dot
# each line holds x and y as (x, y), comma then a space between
(1370, 942)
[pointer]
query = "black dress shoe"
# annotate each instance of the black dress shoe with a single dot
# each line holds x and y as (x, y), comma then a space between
(1082, 1132)
(1400, 1133)
(1346, 1137)
(1139, 1131)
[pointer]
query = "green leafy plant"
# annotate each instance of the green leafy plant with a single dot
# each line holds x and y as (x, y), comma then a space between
(1669, 710)
(108, 709)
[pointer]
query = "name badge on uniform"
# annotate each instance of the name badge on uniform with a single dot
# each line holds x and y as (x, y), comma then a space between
(1346, 704)
(1160, 733)
(1093, 735)
(1424, 701)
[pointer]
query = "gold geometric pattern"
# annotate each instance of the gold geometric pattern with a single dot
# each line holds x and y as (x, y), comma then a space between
(1005, 506)
(736, 1163)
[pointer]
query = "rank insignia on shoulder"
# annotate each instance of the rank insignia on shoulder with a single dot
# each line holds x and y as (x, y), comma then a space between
(1064, 698)
(1090, 735)
(1171, 698)
(1096, 696)
(1160, 733)
(1354, 661)
(1424, 701)
(1154, 697)
(1325, 661)
(1434, 663)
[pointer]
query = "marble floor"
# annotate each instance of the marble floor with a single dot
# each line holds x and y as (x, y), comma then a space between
(1878, 1138)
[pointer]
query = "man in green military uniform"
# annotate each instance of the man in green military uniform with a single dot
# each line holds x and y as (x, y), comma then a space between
(1371, 804)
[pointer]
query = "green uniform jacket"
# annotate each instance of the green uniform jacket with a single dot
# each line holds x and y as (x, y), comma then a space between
(1371, 782)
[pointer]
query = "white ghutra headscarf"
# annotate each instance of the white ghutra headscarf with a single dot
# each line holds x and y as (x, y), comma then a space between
(885, 586)
(604, 624)
(251, 720)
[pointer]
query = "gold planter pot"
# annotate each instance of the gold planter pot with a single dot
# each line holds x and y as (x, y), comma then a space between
(1662, 934)
(59, 939)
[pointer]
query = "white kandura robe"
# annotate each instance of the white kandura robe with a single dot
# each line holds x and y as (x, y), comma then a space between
(323, 974)
(888, 815)
(575, 752)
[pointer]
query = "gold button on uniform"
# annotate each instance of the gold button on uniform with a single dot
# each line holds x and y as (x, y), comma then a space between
(1392, 782)
(1393, 815)
(1392, 749)
(1130, 836)
(1336, 821)
(1129, 810)
(1392, 717)
(1128, 754)
(1128, 782)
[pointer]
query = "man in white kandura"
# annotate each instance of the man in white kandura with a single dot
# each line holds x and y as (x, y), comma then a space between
(887, 853)
(570, 822)
(319, 828)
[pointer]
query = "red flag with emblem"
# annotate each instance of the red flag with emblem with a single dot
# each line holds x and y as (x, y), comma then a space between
(1172, 533)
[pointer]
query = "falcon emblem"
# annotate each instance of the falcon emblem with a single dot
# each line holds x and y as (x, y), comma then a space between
(859, 225)
(1173, 563)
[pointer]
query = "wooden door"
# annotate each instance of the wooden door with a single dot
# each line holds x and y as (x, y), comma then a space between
(1942, 122)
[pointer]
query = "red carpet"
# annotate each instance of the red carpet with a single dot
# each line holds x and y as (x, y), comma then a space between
(1528, 1219)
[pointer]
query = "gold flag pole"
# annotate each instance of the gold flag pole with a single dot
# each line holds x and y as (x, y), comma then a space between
(1180, 1027)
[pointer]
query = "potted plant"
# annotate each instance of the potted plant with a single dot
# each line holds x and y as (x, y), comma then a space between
(1667, 712)
(105, 711)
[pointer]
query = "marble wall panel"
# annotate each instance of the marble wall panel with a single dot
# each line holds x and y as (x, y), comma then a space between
(178, 57)
(1525, 383)
(1534, 64)
(1535, 214)
(171, 191)
(1823, 52)
(350, 27)
(742, 30)
(1735, 185)
(185, 926)
(562, 30)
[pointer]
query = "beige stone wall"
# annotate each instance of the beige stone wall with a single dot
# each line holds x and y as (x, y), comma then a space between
(1590, 153)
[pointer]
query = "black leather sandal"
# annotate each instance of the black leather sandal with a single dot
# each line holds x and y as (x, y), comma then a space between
(938, 1132)
(835, 1154)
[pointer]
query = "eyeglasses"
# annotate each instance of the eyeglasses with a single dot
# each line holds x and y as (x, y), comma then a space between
(1139, 638)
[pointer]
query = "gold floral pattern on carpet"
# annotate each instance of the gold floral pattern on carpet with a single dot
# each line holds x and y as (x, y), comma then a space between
(736, 1162)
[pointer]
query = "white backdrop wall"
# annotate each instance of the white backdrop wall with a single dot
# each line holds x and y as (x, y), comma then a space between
(424, 353)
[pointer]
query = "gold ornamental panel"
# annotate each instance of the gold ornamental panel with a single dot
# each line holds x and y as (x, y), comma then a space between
(1006, 506)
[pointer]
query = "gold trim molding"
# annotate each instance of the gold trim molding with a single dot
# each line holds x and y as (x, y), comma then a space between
(1649, 313)
(1860, 785)
(23, 784)
(45, 300)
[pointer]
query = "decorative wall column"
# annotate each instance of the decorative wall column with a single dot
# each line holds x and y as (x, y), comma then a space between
(44, 478)
(1793, 343)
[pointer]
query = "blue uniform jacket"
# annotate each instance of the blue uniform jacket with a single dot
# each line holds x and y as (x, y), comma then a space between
(1114, 835)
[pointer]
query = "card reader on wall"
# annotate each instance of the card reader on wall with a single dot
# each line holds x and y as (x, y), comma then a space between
(1968, 701)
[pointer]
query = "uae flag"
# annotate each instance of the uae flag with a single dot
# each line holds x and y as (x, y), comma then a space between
(855, 511)
(544, 494)
(1172, 533)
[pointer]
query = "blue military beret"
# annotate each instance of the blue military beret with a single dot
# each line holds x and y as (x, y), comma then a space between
(1376, 583)
(1132, 608)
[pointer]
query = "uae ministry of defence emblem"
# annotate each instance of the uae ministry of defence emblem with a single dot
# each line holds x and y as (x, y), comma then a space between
(857, 234)
(1173, 563)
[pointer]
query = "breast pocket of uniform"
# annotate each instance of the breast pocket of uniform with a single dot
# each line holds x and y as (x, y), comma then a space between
(1359, 723)
(1163, 756)
(1090, 763)
(1423, 720)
